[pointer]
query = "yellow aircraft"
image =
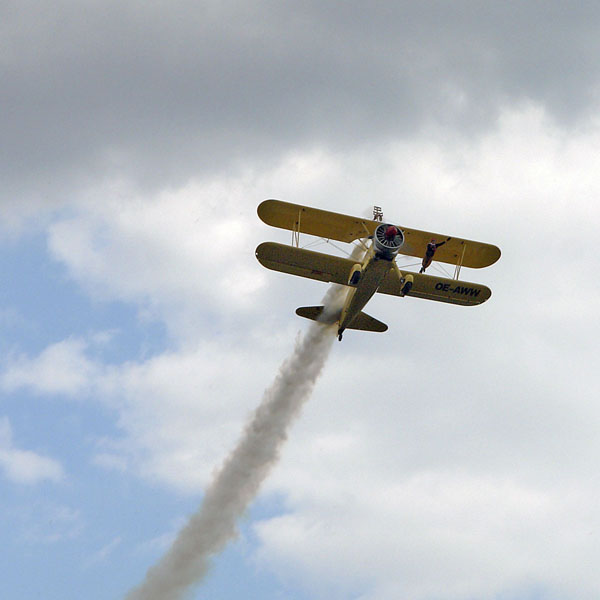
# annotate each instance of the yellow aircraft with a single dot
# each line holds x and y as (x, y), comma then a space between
(378, 271)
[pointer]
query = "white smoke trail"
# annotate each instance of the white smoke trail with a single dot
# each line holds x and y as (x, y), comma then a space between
(237, 483)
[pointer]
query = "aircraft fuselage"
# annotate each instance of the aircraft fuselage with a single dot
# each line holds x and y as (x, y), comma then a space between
(374, 270)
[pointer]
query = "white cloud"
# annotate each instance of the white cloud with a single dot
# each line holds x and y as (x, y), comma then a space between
(462, 441)
(179, 412)
(444, 535)
(185, 257)
(62, 368)
(209, 88)
(25, 466)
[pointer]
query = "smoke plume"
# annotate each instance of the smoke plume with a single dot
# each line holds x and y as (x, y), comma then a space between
(238, 481)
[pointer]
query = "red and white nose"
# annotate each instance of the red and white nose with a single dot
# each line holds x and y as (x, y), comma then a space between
(391, 232)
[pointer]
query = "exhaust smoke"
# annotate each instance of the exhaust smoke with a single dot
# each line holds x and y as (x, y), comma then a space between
(237, 483)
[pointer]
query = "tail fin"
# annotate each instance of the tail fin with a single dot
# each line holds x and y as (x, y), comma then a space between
(362, 321)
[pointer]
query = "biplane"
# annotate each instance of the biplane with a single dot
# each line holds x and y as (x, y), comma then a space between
(377, 270)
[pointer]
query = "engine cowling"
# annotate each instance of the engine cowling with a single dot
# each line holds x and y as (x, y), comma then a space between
(388, 240)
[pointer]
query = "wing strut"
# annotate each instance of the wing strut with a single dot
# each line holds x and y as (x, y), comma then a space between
(296, 230)
(460, 262)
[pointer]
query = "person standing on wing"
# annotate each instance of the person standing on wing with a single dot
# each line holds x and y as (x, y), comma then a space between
(431, 248)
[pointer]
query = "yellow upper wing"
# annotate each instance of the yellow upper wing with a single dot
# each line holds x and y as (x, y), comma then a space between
(454, 251)
(314, 221)
(344, 228)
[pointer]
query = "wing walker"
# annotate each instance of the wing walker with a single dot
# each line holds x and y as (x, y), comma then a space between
(377, 271)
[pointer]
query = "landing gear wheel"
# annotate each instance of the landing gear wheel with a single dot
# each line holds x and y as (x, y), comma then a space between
(406, 288)
(355, 278)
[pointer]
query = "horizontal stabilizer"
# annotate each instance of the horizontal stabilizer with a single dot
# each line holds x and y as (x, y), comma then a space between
(362, 321)
(315, 313)
(365, 322)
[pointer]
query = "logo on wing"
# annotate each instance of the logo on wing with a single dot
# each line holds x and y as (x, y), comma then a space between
(458, 290)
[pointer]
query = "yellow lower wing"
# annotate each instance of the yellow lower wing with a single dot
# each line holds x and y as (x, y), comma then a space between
(335, 269)
(440, 289)
(305, 263)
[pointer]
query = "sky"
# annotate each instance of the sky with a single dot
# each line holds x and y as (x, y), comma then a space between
(453, 457)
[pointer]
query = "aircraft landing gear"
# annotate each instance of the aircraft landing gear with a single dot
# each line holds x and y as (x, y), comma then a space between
(406, 288)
